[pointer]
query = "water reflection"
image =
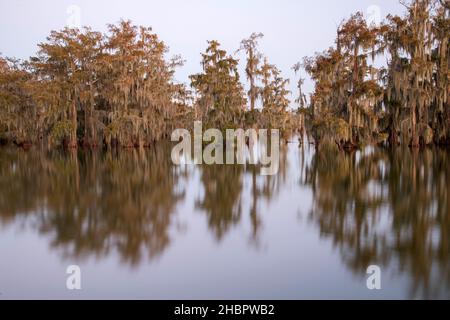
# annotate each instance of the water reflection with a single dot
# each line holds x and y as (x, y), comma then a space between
(390, 208)
(222, 197)
(384, 207)
(93, 203)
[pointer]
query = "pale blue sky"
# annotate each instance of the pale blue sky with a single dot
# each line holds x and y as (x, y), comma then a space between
(293, 28)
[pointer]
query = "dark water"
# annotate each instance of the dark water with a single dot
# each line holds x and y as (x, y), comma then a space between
(141, 228)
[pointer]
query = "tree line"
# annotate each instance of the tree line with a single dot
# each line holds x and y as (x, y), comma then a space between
(356, 99)
(117, 88)
(87, 88)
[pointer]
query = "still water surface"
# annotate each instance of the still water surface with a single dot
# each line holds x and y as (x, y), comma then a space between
(141, 228)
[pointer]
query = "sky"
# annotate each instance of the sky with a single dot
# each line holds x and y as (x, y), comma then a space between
(292, 29)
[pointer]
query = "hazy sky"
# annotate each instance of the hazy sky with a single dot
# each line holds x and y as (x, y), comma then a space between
(292, 28)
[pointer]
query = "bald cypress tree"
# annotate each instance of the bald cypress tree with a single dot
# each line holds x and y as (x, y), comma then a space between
(252, 69)
(356, 101)
(221, 100)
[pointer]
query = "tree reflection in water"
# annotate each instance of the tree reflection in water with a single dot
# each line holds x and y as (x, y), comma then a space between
(222, 198)
(94, 202)
(384, 207)
(390, 208)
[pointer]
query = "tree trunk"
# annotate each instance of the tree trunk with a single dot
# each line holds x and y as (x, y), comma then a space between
(414, 136)
(393, 137)
(72, 142)
(252, 93)
(90, 136)
(352, 106)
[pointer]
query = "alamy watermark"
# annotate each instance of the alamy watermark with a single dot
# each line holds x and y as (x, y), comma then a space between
(373, 16)
(374, 280)
(73, 281)
(73, 16)
(239, 146)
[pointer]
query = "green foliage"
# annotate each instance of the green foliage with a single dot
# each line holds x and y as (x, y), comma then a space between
(62, 129)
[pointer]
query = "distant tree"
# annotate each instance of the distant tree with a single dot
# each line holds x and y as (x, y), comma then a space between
(20, 119)
(252, 69)
(274, 95)
(301, 101)
(220, 92)
(356, 42)
(139, 88)
(57, 64)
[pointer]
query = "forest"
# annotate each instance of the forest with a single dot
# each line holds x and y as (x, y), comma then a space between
(386, 84)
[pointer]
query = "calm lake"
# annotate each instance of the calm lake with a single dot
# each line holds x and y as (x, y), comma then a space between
(141, 228)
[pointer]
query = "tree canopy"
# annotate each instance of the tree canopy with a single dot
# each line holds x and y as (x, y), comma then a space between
(118, 88)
